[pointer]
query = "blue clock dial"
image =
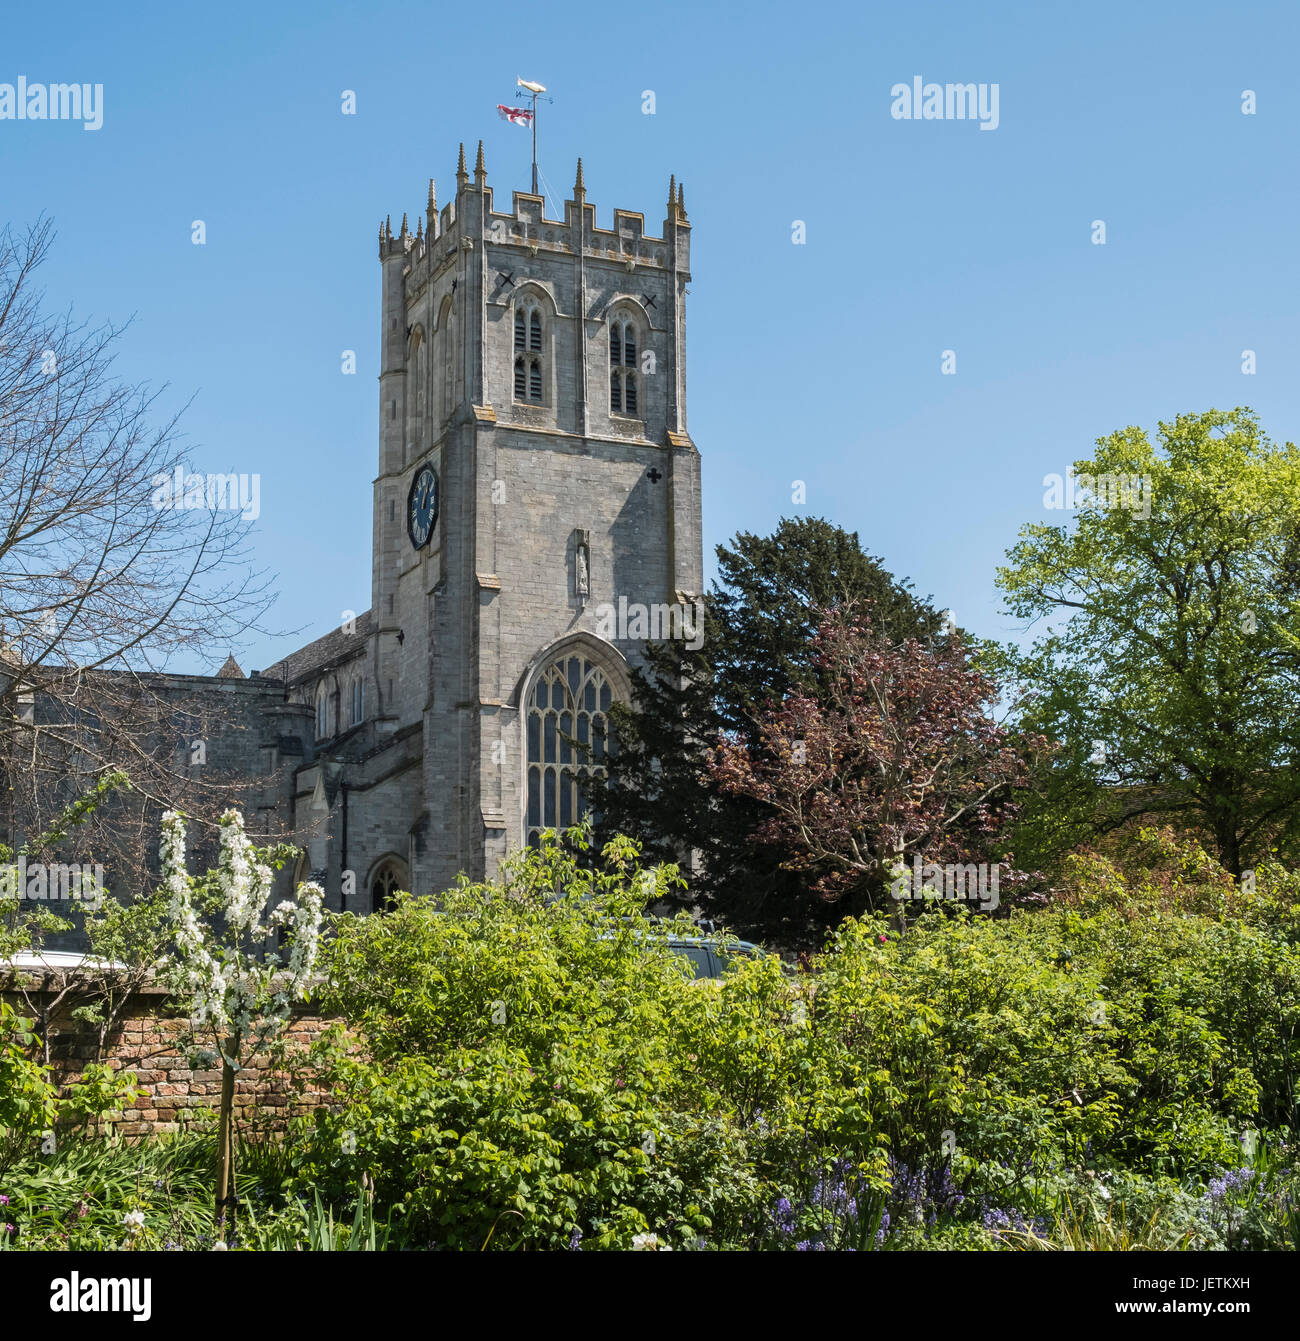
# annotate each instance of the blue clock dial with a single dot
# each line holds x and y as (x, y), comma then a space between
(422, 506)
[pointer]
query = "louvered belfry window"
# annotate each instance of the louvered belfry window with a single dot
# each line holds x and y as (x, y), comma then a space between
(529, 384)
(622, 368)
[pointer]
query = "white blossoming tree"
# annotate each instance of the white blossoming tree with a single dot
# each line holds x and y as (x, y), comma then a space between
(226, 964)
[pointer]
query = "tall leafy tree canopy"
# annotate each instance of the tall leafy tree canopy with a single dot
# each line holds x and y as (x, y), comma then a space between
(763, 613)
(894, 754)
(1169, 671)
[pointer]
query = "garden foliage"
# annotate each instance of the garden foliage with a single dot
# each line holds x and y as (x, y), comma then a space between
(530, 1066)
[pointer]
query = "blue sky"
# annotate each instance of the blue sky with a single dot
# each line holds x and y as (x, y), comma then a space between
(819, 362)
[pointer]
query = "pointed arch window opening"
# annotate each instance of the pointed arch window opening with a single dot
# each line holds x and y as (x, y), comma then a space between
(384, 884)
(420, 362)
(567, 743)
(446, 325)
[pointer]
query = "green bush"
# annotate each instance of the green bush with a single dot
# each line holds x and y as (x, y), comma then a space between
(528, 1065)
(520, 1079)
(27, 1097)
(33, 1109)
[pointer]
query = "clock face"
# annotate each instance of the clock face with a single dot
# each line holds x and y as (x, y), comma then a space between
(422, 506)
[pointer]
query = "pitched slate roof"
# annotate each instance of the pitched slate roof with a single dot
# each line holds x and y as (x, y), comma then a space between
(336, 646)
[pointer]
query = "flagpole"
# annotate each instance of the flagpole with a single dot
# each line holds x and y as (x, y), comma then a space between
(535, 90)
(534, 144)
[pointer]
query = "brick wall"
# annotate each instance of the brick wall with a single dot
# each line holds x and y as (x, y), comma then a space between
(149, 1041)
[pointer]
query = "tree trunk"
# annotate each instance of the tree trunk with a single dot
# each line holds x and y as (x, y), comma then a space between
(1230, 851)
(1224, 819)
(225, 1218)
(897, 911)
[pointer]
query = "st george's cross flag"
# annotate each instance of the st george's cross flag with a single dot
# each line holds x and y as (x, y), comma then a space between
(517, 116)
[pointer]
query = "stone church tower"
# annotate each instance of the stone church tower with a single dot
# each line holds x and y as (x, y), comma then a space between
(536, 490)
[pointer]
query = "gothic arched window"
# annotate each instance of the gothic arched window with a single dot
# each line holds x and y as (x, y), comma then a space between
(420, 371)
(388, 878)
(529, 383)
(623, 397)
(447, 352)
(322, 711)
(358, 701)
(569, 701)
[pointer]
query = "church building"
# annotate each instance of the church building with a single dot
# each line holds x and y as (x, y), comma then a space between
(534, 472)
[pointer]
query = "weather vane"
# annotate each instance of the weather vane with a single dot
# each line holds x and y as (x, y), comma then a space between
(526, 116)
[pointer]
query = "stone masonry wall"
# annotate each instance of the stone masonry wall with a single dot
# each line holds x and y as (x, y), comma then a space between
(148, 1040)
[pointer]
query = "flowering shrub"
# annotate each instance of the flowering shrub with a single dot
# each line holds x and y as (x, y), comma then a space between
(238, 987)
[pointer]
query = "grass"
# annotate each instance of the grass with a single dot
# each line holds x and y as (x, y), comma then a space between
(78, 1197)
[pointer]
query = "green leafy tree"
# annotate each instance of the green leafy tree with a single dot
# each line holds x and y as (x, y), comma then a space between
(125, 940)
(24, 925)
(891, 754)
(761, 618)
(1170, 669)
